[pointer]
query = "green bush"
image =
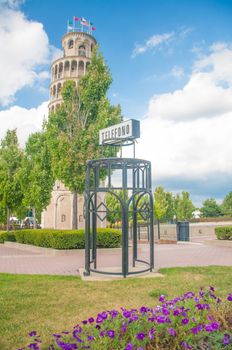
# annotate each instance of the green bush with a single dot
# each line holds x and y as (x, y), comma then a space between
(224, 232)
(63, 239)
(2, 236)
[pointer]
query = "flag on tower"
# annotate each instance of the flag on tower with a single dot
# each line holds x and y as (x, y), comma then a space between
(76, 18)
(85, 23)
(93, 28)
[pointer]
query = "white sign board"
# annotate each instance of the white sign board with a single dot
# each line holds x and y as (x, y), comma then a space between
(128, 130)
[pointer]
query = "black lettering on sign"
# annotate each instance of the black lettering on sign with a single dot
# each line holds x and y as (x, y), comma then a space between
(115, 132)
(123, 130)
(119, 132)
(128, 129)
(112, 133)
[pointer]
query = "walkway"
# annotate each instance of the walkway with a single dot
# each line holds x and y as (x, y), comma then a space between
(18, 261)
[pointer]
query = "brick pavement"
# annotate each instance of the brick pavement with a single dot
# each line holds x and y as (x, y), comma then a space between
(18, 261)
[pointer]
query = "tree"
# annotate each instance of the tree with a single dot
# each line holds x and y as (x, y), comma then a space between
(210, 208)
(170, 213)
(113, 204)
(226, 206)
(184, 207)
(73, 129)
(160, 205)
(10, 163)
(36, 174)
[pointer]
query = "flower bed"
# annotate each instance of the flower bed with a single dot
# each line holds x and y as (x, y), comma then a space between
(63, 239)
(224, 232)
(192, 321)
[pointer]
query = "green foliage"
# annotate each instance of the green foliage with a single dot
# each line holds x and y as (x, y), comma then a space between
(73, 129)
(170, 212)
(226, 206)
(113, 204)
(36, 173)
(210, 208)
(10, 162)
(2, 236)
(224, 232)
(183, 206)
(63, 239)
(160, 203)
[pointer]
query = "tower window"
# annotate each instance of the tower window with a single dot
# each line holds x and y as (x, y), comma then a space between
(63, 218)
(70, 44)
(81, 51)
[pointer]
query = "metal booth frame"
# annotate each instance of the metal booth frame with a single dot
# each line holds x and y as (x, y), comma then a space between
(135, 185)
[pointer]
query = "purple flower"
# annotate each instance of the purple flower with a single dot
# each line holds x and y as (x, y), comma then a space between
(140, 336)
(162, 298)
(185, 321)
(114, 313)
(143, 309)
(172, 332)
(126, 313)
(166, 311)
(200, 306)
(123, 329)
(150, 333)
(226, 339)
(85, 322)
(99, 319)
(110, 333)
(102, 333)
(33, 346)
(91, 320)
(129, 347)
(215, 325)
(229, 298)
(76, 335)
(90, 338)
(160, 319)
(32, 334)
(197, 329)
(176, 312)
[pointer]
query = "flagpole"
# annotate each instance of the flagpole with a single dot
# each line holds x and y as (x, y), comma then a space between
(67, 27)
(73, 23)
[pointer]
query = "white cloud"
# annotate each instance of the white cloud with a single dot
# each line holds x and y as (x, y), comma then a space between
(201, 97)
(153, 42)
(177, 72)
(218, 63)
(187, 133)
(24, 50)
(26, 121)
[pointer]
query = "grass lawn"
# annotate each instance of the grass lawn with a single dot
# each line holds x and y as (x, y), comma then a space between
(51, 304)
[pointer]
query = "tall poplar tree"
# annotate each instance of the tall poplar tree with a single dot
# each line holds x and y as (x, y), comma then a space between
(10, 163)
(160, 205)
(36, 175)
(72, 131)
(183, 206)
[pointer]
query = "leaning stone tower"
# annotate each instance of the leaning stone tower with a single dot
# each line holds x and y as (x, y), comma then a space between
(77, 52)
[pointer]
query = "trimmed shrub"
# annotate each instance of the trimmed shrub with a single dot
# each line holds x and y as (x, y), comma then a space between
(224, 232)
(2, 236)
(63, 239)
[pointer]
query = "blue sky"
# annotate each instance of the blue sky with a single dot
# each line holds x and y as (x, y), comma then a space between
(171, 63)
(121, 24)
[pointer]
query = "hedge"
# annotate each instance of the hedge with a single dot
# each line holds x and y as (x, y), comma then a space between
(224, 232)
(64, 239)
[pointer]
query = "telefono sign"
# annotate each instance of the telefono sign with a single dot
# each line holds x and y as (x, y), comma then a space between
(127, 130)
